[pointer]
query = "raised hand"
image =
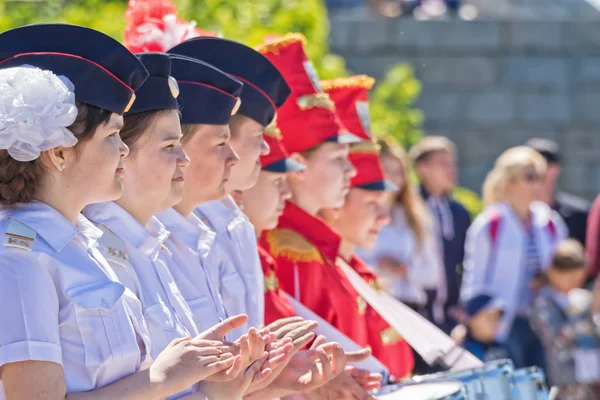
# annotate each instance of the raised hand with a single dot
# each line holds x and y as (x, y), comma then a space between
(219, 331)
(368, 380)
(257, 365)
(295, 328)
(184, 362)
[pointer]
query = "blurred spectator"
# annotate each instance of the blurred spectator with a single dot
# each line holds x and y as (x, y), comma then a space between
(565, 327)
(477, 333)
(593, 238)
(434, 159)
(406, 254)
(573, 210)
(510, 244)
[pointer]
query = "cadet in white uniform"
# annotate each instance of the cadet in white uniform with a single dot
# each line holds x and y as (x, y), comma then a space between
(240, 278)
(133, 242)
(69, 317)
(210, 97)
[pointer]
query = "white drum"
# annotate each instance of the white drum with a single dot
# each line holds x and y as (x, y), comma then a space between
(490, 382)
(529, 384)
(434, 390)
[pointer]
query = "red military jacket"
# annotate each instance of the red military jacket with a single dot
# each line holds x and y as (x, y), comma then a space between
(387, 345)
(305, 248)
(277, 305)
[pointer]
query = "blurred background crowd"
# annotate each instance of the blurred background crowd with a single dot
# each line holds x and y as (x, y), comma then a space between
(486, 114)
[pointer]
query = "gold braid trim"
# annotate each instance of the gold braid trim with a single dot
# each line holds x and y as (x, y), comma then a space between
(368, 146)
(357, 81)
(290, 244)
(273, 46)
(271, 282)
(389, 336)
(319, 100)
(273, 130)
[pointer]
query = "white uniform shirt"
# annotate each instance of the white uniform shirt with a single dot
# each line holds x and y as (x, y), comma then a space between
(424, 264)
(141, 261)
(191, 244)
(498, 267)
(60, 301)
(241, 280)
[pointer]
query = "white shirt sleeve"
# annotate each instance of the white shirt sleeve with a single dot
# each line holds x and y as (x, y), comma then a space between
(29, 311)
(477, 259)
(427, 265)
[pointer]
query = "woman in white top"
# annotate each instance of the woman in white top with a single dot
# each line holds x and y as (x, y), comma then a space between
(511, 243)
(134, 239)
(68, 325)
(406, 254)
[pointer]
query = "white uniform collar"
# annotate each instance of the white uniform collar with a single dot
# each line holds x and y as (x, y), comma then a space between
(147, 240)
(192, 231)
(51, 225)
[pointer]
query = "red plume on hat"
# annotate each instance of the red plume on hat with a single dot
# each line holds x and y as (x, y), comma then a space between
(153, 25)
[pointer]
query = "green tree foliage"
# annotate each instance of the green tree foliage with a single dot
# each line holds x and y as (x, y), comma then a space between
(469, 199)
(246, 21)
(392, 101)
(392, 106)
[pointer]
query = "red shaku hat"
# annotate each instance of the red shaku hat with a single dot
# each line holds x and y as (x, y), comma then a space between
(308, 117)
(278, 158)
(369, 171)
(351, 98)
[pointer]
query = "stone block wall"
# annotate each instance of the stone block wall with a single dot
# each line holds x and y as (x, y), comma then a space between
(492, 84)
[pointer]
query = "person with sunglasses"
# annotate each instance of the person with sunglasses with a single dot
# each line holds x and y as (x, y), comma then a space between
(510, 244)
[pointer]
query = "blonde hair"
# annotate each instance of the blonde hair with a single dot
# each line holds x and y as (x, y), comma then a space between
(508, 166)
(569, 255)
(430, 145)
(413, 205)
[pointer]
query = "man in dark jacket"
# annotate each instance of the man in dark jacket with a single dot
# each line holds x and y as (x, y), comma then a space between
(434, 159)
(573, 210)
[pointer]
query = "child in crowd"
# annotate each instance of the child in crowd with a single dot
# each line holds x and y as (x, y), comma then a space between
(478, 331)
(562, 317)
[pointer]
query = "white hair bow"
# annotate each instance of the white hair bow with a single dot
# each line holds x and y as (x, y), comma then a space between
(36, 107)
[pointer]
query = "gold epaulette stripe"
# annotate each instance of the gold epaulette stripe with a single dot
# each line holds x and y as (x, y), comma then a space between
(357, 81)
(367, 146)
(290, 244)
(273, 46)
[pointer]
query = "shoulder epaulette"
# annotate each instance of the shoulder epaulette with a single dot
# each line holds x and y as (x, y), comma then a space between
(19, 235)
(290, 244)
(113, 248)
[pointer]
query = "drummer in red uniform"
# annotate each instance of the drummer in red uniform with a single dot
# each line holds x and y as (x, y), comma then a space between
(263, 205)
(364, 212)
(303, 245)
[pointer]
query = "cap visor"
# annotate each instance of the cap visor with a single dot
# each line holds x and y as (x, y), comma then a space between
(345, 138)
(379, 186)
(284, 165)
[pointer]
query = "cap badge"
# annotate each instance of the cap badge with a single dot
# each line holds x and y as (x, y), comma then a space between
(131, 101)
(362, 109)
(319, 100)
(236, 107)
(312, 75)
(173, 86)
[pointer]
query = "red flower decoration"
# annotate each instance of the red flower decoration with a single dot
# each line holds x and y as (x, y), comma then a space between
(153, 25)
